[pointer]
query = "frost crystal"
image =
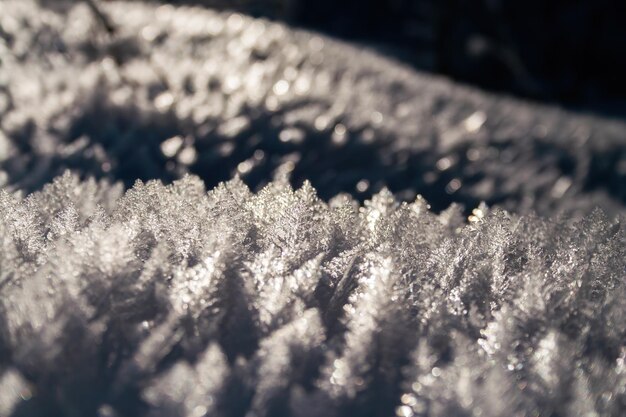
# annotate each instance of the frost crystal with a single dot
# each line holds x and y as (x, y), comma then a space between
(174, 301)
(168, 300)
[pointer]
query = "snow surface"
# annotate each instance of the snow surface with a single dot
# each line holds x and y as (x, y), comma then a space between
(170, 301)
(163, 299)
(179, 90)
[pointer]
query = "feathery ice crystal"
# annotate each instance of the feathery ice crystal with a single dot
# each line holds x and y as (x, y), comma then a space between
(171, 301)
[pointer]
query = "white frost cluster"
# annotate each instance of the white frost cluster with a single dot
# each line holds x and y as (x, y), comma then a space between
(171, 301)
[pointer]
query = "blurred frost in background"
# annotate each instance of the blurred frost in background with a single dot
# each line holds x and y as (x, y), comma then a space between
(569, 52)
(172, 90)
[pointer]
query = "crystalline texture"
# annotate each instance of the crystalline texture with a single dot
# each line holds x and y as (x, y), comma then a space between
(170, 300)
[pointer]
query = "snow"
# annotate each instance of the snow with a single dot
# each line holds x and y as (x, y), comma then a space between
(379, 285)
(168, 300)
(180, 90)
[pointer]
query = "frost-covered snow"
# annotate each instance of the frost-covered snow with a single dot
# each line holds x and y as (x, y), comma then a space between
(170, 301)
(165, 300)
(185, 89)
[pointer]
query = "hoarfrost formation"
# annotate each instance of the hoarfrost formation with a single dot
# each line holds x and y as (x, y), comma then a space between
(170, 301)
(166, 300)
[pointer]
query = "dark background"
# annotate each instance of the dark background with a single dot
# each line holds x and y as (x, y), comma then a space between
(568, 52)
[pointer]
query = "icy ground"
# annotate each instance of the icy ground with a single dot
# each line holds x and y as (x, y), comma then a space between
(166, 300)
(180, 90)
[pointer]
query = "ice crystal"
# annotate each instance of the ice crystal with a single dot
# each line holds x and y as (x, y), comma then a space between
(171, 300)
(190, 391)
